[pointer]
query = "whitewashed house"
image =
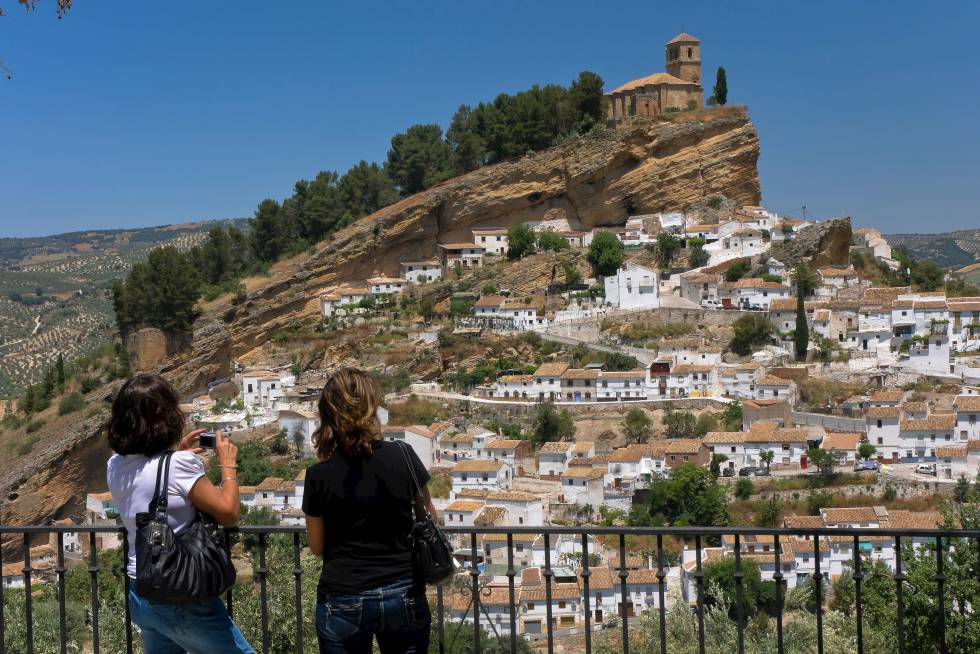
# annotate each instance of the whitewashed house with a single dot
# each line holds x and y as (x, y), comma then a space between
(419, 437)
(633, 287)
(382, 285)
(482, 473)
(420, 271)
(553, 458)
(493, 240)
(299, 425)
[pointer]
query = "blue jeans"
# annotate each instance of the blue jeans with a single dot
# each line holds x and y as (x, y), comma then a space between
(200, 628)
(397, 615)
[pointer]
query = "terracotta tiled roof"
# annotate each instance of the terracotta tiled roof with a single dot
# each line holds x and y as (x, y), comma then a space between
(627, 374)
(683, 37)
(888, 395)
(684, 446)
(478, 466)
(583, 446)
(580, 373)
(504, 444)
(489, 301)
(558, 592)
(724, 437)
(967, 403)
(847, 441)
(951, 452)
(512, 496)
(489, 516)
(557, 447)
(882, 412)
(585, 473)
(803, 521)
(553, 369)
(900, 519)
(914, 407)
(937, 421)
(850, 514)
(651, 80)
(687, 368)
(467, 506)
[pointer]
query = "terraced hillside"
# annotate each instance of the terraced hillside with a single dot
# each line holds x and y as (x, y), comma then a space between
(54, 293)
(949, 250)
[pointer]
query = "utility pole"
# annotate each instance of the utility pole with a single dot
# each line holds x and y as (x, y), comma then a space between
(804, 212)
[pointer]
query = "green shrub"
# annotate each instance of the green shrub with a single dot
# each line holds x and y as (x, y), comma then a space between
(33, 426)
(70, 404)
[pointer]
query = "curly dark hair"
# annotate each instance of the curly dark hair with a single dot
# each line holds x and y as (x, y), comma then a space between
(146, 417)
(348, 410)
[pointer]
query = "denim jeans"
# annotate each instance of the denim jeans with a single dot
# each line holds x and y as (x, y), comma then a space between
(397, 615)
(199, 628)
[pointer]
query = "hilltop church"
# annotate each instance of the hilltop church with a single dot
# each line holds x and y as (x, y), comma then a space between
(679, 87)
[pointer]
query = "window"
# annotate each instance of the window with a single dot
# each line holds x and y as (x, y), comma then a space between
(450, 516)
(530, 606)
(879, 424)
(561, 605)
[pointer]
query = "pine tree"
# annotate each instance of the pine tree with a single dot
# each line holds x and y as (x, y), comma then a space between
(59, 371)
(721, 86)
(802, 337)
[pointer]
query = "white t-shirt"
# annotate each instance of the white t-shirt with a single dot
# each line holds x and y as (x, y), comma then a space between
(132, 480)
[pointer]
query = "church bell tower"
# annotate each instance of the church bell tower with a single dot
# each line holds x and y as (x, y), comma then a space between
(683, 53)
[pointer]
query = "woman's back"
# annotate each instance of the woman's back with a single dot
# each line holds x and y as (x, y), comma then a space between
(132, 479)
(366, 507)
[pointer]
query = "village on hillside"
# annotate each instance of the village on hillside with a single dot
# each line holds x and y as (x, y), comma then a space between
(901, 435)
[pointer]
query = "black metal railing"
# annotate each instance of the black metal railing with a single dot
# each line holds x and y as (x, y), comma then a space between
(617, 536)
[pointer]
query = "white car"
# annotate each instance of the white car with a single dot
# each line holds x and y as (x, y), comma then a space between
(925, 469)
(710, 304)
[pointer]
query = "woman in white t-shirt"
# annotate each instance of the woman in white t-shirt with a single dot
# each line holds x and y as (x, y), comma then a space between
(146, 422)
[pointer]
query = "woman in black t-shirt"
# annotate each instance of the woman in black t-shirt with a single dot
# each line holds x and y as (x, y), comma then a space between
(358, 502)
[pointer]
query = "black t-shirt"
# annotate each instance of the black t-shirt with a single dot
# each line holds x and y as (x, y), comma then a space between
(366, 508)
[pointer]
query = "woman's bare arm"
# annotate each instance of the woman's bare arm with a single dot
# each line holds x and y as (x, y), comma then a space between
(223, 502)
(315, 534)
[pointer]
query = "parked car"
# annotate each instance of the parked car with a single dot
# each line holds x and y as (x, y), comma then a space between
(711, 304)
(865, 465)
(755, 307)
(753, 471)
(728, 472)
(925, 469)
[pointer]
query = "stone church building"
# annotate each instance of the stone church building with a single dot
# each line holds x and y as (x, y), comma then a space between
(650, 96)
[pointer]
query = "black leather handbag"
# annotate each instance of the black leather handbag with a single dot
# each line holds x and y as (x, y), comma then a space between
(193, 565)
(432, 555)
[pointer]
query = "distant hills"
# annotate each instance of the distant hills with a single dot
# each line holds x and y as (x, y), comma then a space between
(948, 250)
(54, 292)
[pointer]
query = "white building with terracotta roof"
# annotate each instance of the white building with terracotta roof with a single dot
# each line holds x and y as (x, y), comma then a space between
(420, 271)
(482, 473)
(299, 425)
(466, 255)
(967, 410)
(262, 388)
(583, 485)
(382, 285)
(493, 240)
(419, 437)
(882, 424)
(553, 458)
(632, 287)
(752, 292)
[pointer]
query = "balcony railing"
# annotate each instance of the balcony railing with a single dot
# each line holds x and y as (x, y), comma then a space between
(699, 536)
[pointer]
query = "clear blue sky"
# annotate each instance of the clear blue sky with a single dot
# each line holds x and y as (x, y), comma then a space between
(137, 113)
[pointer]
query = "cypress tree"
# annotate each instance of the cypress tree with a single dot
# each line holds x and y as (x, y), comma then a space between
(802, 336)
(721, 86)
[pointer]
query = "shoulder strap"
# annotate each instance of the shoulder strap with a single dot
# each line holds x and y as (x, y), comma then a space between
(416, 487)
(159, 502)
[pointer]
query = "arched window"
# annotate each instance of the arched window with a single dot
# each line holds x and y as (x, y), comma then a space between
(690, 53)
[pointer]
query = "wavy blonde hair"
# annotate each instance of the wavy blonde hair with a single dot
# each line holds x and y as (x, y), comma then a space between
(348, 409)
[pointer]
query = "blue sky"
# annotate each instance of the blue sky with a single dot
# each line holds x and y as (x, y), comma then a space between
(137, 113)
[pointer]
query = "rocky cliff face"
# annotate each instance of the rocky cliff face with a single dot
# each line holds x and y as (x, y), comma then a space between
(645, 168)
(823, 244)
(597, 181)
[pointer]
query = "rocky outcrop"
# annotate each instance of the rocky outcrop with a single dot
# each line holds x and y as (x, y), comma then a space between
(645, 168)
(822, 244)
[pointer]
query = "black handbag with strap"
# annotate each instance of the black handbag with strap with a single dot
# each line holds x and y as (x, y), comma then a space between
(432, 555)
(193, 565)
